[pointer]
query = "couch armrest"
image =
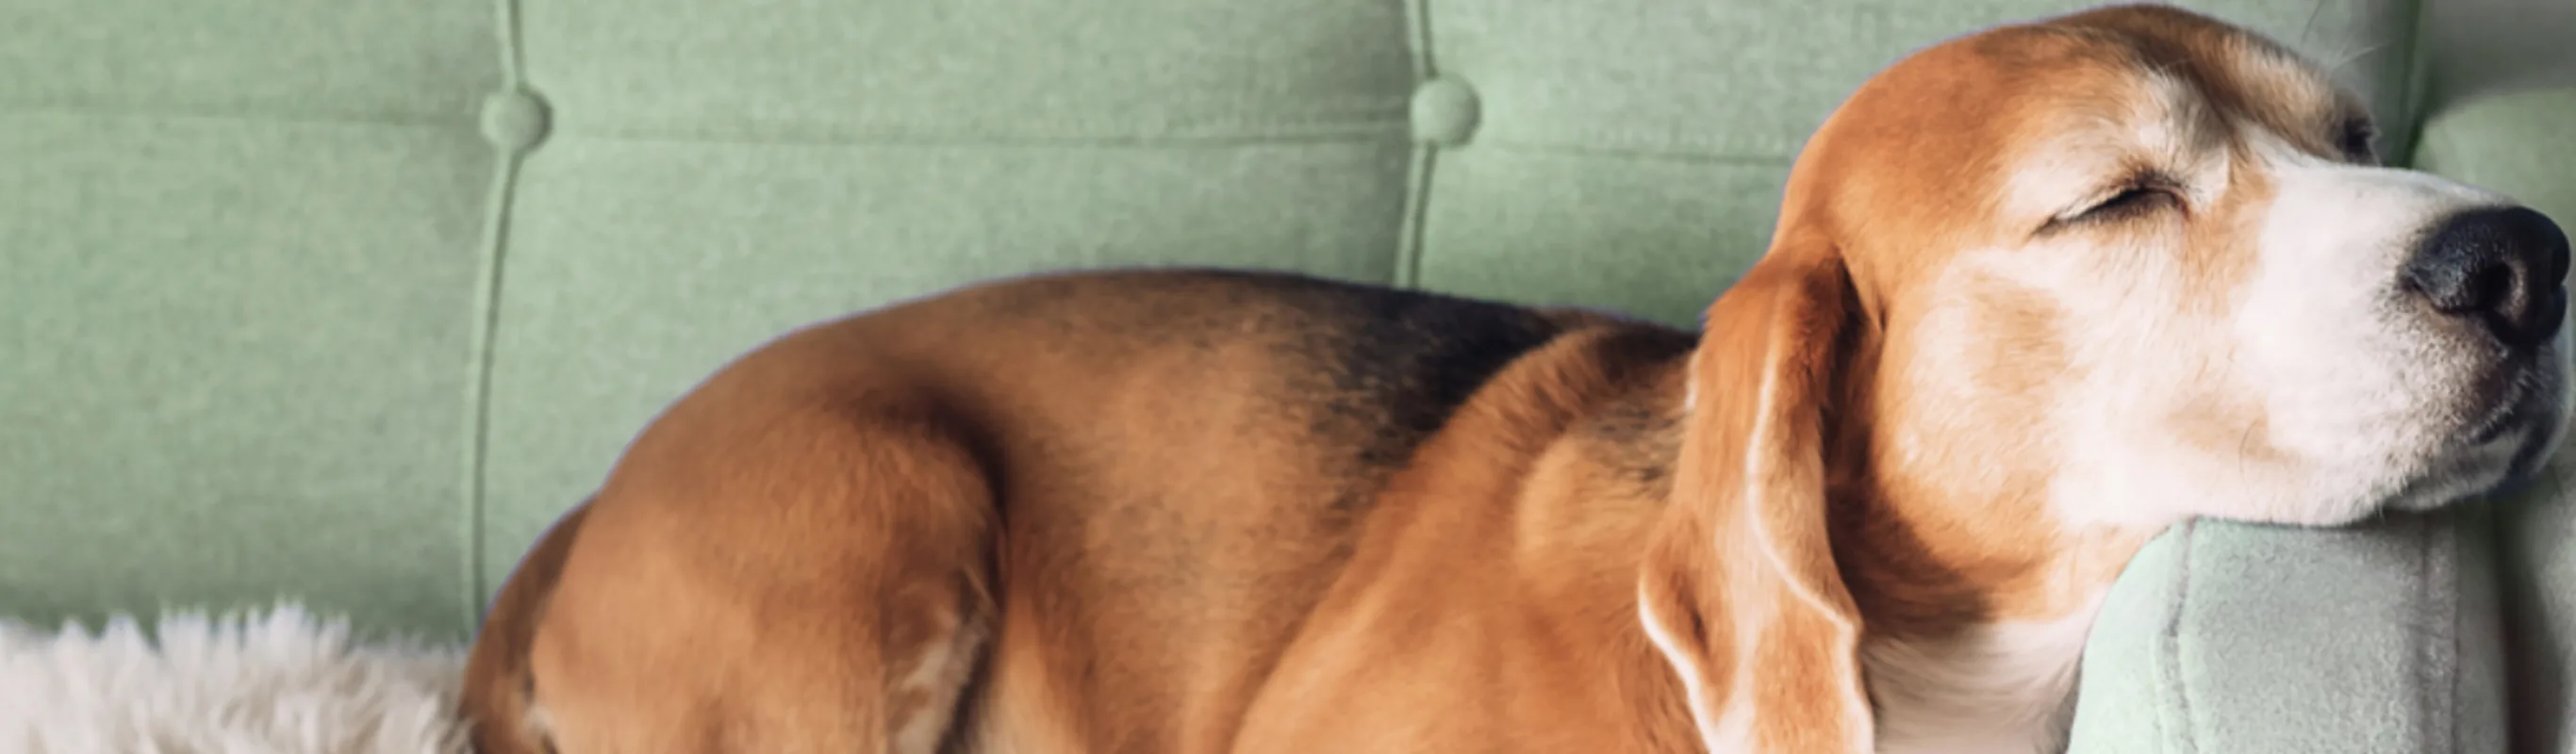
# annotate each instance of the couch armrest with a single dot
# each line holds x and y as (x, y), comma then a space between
(2238, 638)
(2523, 143)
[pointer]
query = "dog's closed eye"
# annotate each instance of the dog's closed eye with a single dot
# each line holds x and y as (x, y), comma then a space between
(2135, 197)
(2130, 202)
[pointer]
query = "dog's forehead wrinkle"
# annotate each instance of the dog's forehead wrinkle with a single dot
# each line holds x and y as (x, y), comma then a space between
(2172, 133)
(2293, 94)
(2166, 125)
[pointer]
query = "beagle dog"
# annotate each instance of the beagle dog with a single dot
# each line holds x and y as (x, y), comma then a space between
(2035, 294)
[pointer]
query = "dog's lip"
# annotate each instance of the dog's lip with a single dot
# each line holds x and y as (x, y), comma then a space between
(2501, 464)
(2509, 444)
(2536, 447)
(2496, 425)
(2515, 402)
(2520, 431)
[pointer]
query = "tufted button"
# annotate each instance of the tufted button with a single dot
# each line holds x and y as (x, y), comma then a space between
(514, 120)
(1444, 112)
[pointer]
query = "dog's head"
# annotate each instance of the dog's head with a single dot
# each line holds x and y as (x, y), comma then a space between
(2104, 271)
(2147, 265)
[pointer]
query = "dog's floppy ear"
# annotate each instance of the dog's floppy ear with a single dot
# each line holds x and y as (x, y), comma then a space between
(1739, 589)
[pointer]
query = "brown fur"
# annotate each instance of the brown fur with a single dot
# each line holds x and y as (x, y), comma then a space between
(1190, 511)
(498, 688)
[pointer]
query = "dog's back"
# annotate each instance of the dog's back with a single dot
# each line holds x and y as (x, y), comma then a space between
(1118, 493)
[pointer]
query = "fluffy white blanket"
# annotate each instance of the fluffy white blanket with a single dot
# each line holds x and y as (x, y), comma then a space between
(277, 681)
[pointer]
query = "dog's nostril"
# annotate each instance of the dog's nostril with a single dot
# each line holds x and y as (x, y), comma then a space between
(2492, 285)
(2460, 283)
(2500, 267)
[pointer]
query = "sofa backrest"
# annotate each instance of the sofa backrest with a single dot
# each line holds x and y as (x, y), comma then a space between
(348, 300)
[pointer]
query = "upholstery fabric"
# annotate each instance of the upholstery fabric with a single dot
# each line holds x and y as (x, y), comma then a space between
(347, 299)
(2229, 637)
(2521, 140)
(238, 261)
(700, 191)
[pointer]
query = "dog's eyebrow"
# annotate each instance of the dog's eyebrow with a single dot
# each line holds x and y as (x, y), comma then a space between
(2078, 163)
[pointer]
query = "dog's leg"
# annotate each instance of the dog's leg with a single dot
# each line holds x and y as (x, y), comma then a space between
(817, 586)
(495, 695)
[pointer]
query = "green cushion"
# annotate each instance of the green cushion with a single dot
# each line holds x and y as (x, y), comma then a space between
(1630, 153)
(703, 187)
(2519, 141)
(2536, 536)
(238, 252)
(2229, 637)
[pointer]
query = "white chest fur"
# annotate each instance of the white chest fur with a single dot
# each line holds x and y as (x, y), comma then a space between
(1996, 688)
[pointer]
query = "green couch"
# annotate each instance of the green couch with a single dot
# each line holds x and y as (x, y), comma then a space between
(344, 300)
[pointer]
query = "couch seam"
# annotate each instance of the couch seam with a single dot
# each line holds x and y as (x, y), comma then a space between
(2440, 596)
(487, 311)
(2170, 654)
(162, 112)
(1406, 269)
(1407, 272)
(1676, 154)
(1354, 131)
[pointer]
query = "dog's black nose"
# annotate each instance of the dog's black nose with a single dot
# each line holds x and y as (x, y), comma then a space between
(2502, 268)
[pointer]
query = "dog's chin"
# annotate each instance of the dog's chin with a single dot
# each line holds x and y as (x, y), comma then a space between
(2497, 456)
